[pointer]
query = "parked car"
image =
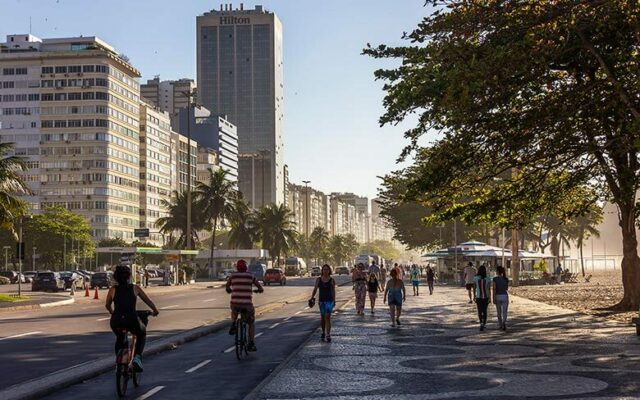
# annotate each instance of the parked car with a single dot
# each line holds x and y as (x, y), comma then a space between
(72, 280)
(275, 275)
(47, 280)
(342, 270)
(4, 280)
(86, 277)
(29, 275)
(225, 274)
(102, 280)
(258, 271)
(315, 271)
(12, 275)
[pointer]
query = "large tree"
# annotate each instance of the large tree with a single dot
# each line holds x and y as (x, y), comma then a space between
(176, 220)
(541, 94)
(275, 227)
(241, 235)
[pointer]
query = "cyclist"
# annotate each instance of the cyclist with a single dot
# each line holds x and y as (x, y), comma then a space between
(123, 297)
(239, 284)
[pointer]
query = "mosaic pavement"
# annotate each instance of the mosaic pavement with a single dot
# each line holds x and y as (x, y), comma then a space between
(439, 353)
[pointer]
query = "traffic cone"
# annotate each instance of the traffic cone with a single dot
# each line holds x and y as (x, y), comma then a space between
(95, 295)
(86, 291)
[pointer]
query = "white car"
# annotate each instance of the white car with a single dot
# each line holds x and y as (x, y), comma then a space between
(224, 274)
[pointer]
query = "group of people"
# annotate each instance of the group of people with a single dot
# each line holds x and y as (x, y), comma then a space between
(483, 290)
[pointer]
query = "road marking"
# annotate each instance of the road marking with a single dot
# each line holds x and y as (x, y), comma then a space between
(274, 325)
(150, 393)
(288, 318)
(197, 367)
(232, 348)
(259, 334)
(172, 306)
(103, 319)
(20, 335)
(208, 300)
(299, 312)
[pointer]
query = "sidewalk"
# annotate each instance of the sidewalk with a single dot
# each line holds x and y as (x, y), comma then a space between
(439, 353)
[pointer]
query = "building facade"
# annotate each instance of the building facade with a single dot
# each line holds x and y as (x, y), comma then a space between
(180, 153)
(71, 106)
(240, 74)
(310, 208)
(361, 223)
(207, 160)
(168, 95)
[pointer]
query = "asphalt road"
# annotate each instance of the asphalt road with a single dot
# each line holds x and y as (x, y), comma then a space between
(35, 343)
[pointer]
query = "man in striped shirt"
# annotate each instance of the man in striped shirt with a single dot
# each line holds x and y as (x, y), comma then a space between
(240, 285)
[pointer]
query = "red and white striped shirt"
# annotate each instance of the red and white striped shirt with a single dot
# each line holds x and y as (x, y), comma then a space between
(241, 288)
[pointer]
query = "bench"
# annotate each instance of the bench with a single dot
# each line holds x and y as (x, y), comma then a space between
(636, 321)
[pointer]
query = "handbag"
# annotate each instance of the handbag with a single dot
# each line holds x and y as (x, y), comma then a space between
(312, 302)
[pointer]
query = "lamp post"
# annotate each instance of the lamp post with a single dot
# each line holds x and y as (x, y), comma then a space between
(306, 208)
(190, 104)
(33, 258)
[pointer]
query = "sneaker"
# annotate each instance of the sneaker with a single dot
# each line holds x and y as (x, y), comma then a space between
(137, 363)
(322, 337)
(481, 327)
(398, 321)
(372, 312)
(470, 301)
(251, 347)
(232, 330)
(393, 324)
(328, 339)
(504, 327)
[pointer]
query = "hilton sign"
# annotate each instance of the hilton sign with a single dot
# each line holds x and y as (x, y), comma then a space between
(234, 21)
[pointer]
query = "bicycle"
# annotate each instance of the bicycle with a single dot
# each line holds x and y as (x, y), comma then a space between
(124, 359)
(242, 326)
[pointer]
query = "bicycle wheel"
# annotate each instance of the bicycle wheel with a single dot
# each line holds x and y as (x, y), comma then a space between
(244, 338)
(122, 379)
(136, 377)
(240, 336)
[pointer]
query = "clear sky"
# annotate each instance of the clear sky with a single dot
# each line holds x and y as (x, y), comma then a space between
(332, 103)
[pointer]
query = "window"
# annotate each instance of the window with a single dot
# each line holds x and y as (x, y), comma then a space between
(61, 70)
(102, 96)
(7, 111)
(102, 82)
(47, 70)
(8, 85)
(88, 82)
(74, 123)
(74, 110)
(8, 71)
(47, 97)
(47, 124)
(60, 96)
(102, 68)
(46, 83)
(60, 83)
(74, 69)
(87, 123)
(88, 96)
(34, 96)
(102, 123)
(34, 124)
(60, 123)
(7, 97)
(21, 97)
(21, 71)
(88, 68)
(74, 96)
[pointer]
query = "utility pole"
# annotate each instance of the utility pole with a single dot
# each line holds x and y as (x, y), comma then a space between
(33, 258)
(306, 208)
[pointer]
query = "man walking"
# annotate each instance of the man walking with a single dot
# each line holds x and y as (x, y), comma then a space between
(469, 273)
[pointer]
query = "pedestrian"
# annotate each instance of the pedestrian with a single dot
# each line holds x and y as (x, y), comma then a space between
(396, 293)
(373, 286)
(360, 286)
(468, 276)
(374, 269)
(146, 278)
(326, 300)
(415, 280)
(483, 294)
(383, 276)
(398, 270)
(501, 296)
(430, 278)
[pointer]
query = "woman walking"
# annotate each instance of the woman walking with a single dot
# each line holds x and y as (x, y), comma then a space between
(373, 286)
(396, 293)
(430, 278)
(326, 300)
(360, 286)
(415, 280)
(483, 294)
(501, 296)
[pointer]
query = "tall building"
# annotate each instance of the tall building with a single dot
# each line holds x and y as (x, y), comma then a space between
(207, 160)
(240, 74)
(71, 106)
(169, 96)
(310, 208)
(362, 217)
(155, 168)
(212, 133)
(180, 152)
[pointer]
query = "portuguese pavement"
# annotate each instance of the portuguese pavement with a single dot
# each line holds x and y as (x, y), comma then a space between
(439, 353)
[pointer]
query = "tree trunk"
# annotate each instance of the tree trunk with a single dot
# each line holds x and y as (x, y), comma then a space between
(581, 240)
(213, 246)
(630, 260)
(515, 259)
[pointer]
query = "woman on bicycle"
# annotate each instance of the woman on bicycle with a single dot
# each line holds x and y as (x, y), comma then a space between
(327, 300)
(123, 296)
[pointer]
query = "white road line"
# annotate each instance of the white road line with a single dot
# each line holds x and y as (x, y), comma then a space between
(150, 393)
(197, 367)
(172, 306)
(286, 319)
(20, 335)
(299, 312)
(208, 300)
(230, 349)
(103, 319)
(259, 334)
(274, 325)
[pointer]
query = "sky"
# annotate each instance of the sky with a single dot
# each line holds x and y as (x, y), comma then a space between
(332, 102)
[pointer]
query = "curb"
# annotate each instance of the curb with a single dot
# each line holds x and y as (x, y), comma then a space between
(39, 306)
(36, 388)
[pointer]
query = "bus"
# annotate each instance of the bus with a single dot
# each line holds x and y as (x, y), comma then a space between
(294, 266)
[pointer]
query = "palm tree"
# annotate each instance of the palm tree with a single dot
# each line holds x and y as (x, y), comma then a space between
(318, 242)
(214, 199)
(241, 235)
(274, 226)
(176, 220)
(584, 227)
(11, 185)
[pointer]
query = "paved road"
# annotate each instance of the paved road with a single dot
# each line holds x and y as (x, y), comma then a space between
(208, 368)
(38, 342)
(439, 353)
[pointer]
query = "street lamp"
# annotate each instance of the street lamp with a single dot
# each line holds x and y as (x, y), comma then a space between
(306, 208)
(20, 254)
(33, 258)
(190, 104)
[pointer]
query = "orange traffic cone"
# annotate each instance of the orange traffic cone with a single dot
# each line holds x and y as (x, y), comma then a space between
(86, 291)
(95, 295)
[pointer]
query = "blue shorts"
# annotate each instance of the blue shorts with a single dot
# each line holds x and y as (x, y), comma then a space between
(326, 307)
(395, 299)
(415, 283)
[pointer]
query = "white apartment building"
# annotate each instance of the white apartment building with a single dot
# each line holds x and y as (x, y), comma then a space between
(71, 106)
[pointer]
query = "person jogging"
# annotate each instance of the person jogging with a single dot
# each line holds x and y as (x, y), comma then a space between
(373, 287)
(326, 300)
(396, 293)
(430, 279)
(415, 280)
(501, 296)
(483, 294)
(469, 279)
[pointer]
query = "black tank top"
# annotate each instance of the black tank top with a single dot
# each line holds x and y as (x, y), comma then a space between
(124, 300)
(325, 290)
